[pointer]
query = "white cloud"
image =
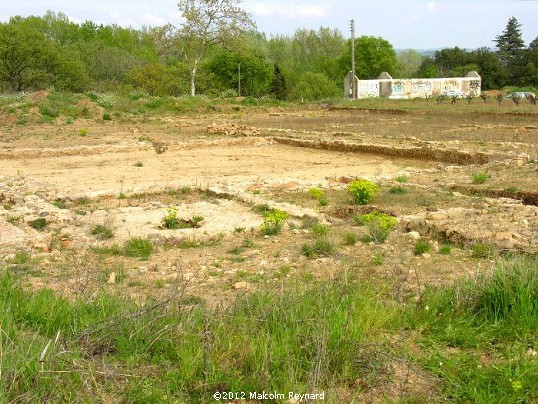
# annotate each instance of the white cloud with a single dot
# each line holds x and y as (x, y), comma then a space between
(288, 10)
(431, 6)
(153, 20)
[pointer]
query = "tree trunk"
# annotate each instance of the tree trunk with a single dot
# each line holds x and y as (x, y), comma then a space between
(193, 84)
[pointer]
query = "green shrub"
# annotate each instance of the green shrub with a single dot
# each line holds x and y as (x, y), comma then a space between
(362, 191)
(319, 195)
(402, 179)
(316, 193)
(321, 247)
(138, 247)
(273, 222)
(445, 249)
(106, 116)
(422, 246)
(379, 225)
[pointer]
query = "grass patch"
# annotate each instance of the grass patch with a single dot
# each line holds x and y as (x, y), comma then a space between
(102, 232)
(138, 247)
(493, 315)
(397, 190)
(319, 248)
(320, 229)
(349, 238)
(484, 250)
(481, 177)
(421, 247)
(472, 339)
(38, 223)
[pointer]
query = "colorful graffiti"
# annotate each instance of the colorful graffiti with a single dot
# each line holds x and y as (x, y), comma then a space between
(422, 87)
(416, 88)
(368, 88)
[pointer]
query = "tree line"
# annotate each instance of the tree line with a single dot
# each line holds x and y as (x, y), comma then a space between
(52, 52)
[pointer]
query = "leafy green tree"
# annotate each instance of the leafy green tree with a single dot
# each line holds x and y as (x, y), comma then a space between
(256, 74)
(372, 57)
(29, 59)
(208, 23)
(278, 86)
(510, 46)
(26, 57)
(154, 78)
(490, 68)
(409, 61)
(530, 72)
(314, 86)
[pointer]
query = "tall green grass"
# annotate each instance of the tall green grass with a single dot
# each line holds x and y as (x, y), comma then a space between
(481, 335)
(473, 339)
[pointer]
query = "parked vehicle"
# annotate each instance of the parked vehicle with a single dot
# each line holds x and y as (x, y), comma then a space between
(521, 94)
(453, 93)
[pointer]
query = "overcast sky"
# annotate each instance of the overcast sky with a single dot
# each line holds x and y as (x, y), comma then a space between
(414, 24)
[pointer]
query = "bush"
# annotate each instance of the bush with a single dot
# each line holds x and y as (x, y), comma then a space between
(273, 222)
(319, 195)
(316, 193)
(379, 225)
(314, 86)
(362, 191)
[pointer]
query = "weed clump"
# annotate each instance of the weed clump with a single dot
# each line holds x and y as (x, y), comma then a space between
(379, 225)
(171, 221)
(320, 248)
(480, 178)
(362, 191)
(422, 246)
(273, 222)
(38, 223)
(319, 195)
(102, 232)
(483, 250)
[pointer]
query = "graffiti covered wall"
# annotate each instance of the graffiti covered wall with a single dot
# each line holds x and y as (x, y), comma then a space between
(417, 88)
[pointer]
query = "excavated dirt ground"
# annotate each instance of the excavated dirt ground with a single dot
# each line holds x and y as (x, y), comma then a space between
(125, 176)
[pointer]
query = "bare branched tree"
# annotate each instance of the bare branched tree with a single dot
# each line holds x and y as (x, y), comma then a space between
(207, 23)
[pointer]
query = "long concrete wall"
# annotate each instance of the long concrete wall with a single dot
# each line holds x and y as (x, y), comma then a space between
(415, 88)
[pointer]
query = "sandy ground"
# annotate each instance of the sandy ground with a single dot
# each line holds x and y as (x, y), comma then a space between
(203, 164)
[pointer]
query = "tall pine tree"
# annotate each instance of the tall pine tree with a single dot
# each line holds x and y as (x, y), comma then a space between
(511, 48)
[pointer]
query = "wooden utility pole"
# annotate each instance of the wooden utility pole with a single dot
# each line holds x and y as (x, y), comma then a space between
(354, 83)
(239, 80)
